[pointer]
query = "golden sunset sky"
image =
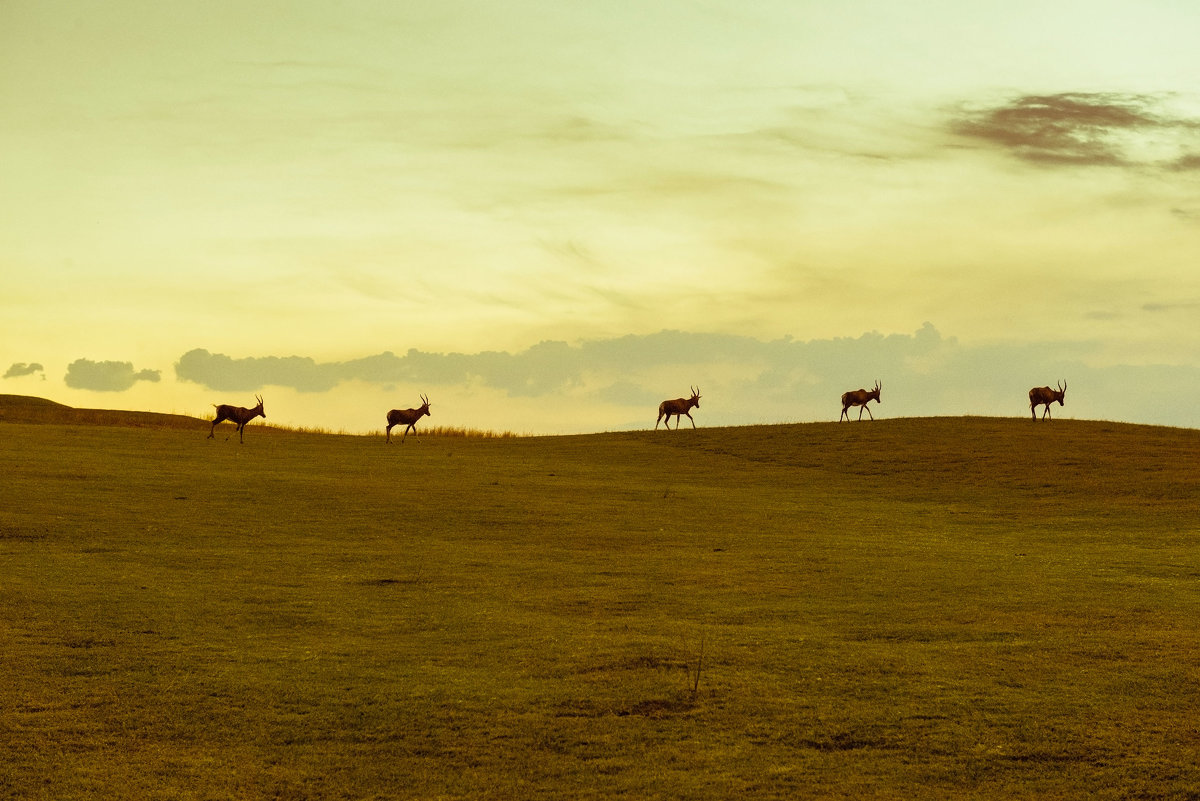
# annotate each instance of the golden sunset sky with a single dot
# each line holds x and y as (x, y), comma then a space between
(550, 216)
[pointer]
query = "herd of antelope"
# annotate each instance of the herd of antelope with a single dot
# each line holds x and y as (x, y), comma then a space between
(678, 408)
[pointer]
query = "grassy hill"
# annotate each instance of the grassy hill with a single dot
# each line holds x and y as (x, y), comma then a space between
(920, 608)
(29, 409)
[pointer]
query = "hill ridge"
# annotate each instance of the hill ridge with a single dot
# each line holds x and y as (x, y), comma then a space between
(37, 410)
(32, 409)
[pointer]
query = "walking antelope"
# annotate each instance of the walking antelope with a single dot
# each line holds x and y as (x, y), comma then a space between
(860, 398)
(1039, 396)
(237, 414)
(407, 417)
(677, 407)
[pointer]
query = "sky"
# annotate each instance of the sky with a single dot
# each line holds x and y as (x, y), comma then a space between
(548, 217)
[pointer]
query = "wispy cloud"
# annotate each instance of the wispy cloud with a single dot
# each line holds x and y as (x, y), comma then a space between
(1087, 129)
(106, 376)
(1186, 163)
(1183, 305)
(19, 369)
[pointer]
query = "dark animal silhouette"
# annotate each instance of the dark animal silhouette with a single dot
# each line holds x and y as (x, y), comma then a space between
(1039, 396)
(678, 407)
(407, 417)
(860, 398)
(237, 414)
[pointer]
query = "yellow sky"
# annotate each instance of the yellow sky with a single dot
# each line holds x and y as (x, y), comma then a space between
(337, 181)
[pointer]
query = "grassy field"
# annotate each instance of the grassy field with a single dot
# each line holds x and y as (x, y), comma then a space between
(918, 608)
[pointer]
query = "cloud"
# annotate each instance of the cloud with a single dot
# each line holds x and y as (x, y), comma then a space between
(542, 369)
(552, 368)
(1186, 163)
(221, 372)
(19, 369)
(106, 376)
(1087, 129)
(1187, 306)
(627, 369)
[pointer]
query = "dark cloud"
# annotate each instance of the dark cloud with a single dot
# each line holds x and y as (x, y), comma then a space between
(106, 376)
(1082, 129)
(554, 368)
(549, 367)
(221, 372)
(1187, 163)
(21, 368)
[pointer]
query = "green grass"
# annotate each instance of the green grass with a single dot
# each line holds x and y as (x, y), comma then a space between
(923, 608)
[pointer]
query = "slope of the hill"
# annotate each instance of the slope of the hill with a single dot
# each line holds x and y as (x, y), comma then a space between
(961, 458)
(914, 608)
(30, 409)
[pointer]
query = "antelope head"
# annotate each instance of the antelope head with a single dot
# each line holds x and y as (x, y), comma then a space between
(1062, 391)
(695, 399)
(875, 392)
(425, 406)
(259, 407)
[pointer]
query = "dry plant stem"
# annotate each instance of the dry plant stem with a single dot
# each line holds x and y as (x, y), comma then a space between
(699, 666)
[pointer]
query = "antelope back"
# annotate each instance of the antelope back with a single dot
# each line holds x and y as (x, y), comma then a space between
(1047, 395)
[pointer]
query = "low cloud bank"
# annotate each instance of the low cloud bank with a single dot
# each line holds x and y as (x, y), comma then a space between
(106, 376)
(745, 380)
(552, 368)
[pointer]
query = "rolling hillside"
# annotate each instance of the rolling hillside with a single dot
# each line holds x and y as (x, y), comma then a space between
(29, 409)
(917, 608)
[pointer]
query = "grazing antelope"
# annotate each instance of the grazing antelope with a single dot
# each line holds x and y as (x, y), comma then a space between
(860, 398)
(407, 417)
(237, 414)
(1039, 396)
(677, 407)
